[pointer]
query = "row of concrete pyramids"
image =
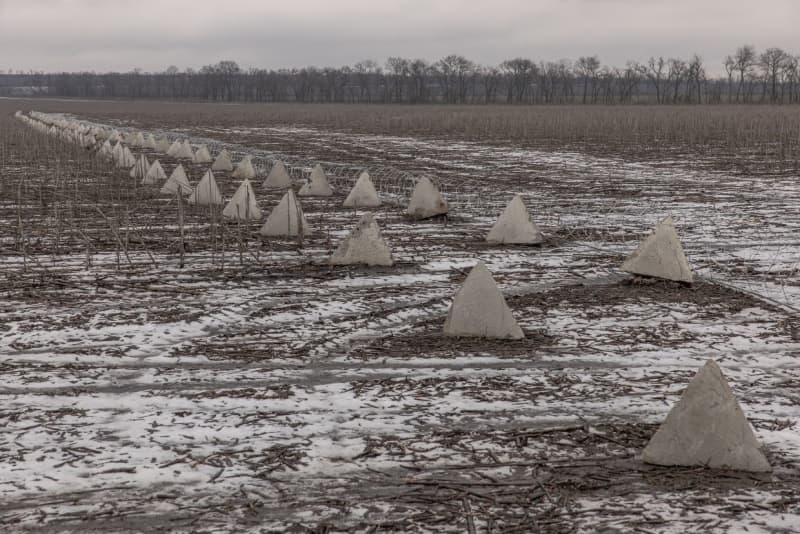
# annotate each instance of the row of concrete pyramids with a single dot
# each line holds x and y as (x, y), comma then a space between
(705, 428)
(660, 255)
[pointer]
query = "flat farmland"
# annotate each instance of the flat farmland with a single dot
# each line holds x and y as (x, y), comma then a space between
(258, 388)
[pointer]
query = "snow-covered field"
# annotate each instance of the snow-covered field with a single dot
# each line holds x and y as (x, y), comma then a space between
(272, 392)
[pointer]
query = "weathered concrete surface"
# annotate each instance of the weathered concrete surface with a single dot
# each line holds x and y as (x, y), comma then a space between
(480, 310)
(244, 169)
(426, 200)
(363, 194)
(365, 245)
(318, 185)
(177, 180)
(286, 219)
(278, 177)
(206, 193)
(660, 255)
(707, 428)
(514, 226)
(223, 162)
(243, 205)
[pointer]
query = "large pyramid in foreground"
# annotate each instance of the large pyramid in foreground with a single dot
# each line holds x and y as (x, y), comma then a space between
(243, 205)
(287, 219)
(426, 200)
(317, 185)
(365, 245)
(514, 226)
(660, 255)
(480, 310)
(707, 428)
(363, 194)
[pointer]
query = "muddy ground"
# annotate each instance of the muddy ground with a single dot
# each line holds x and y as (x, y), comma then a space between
(258, 388)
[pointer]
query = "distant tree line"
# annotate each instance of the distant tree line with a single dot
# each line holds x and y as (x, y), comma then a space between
(771, 76)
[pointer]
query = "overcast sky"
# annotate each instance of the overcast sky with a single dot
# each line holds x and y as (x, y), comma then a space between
(119, 35)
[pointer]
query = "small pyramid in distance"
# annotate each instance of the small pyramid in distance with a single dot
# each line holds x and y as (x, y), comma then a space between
(480, 310)
(223, 162)
(318, 185)
(177, 180)
(163, 145)
(185, 151)
(243, 205)
(287, 219)
(154, 174)
(707, 428)
(426, 200)
(363, 194)
(174, 148)
(514, 226)
(244, 169)
(202, 155)
(278, 177)
(660, 255)
(365, 245)
(139, 170)
(206, 193)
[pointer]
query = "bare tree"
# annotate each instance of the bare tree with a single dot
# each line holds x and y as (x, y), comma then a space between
(745, 59)
(772, 63)
(587, 68)
(655, 73)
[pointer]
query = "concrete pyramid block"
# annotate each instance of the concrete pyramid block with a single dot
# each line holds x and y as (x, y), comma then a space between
(286, 219)
(660, 255)
(365, 245)
(177, 181)
(174, 148)
(155, 174)
(363, 194)
(426, 201)
(138, 140)
(185, 151)
(202, 155)
(163, 146)
(139, 170)
(117, 152)
(150, 142)
(480, 310)
(318, 185)
(223, 162)
(244, 169)
(126, 160)
(514, 226)
(278, 177)
(114, 136)
(105, 152)
(707, 428)
(206, 193)
(243, 205)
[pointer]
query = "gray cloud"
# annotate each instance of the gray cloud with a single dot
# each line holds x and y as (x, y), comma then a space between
(153, 34)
